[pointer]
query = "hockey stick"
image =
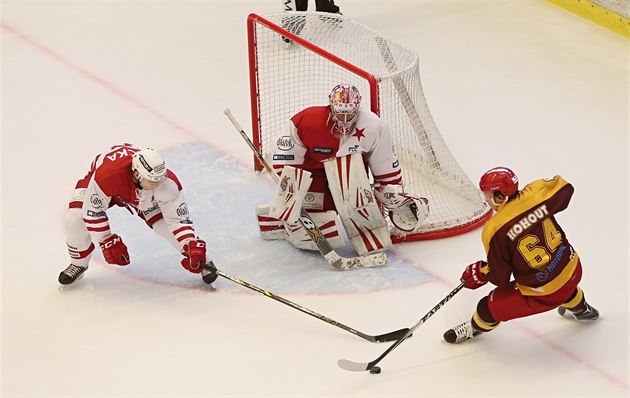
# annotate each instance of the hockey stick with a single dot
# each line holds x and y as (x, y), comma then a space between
(379, 338)
(334, 259)
(371, 366)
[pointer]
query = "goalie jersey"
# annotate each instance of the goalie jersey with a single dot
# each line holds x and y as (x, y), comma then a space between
(310, 141)
(523, 239)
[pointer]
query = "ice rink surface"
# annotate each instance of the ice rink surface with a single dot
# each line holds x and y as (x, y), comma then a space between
(516, 83)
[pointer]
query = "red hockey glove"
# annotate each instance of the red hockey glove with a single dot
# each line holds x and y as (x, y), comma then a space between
(194, 256)
(114, 250)
(475, 275)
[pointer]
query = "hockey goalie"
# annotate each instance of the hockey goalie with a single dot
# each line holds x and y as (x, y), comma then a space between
(337, 161)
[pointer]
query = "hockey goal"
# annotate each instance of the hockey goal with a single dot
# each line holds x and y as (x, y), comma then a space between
(294, 61)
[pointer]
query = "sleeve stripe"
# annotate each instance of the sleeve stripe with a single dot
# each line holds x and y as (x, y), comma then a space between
(96, 220)
(185, 236)
(395, 174)
(99, 229)
(182, 229)
(154, 219)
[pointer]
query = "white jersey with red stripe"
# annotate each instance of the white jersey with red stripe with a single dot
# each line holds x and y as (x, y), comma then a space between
(110, 182)
(311, 141)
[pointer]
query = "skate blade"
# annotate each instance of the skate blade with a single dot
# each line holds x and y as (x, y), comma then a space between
(69, 285)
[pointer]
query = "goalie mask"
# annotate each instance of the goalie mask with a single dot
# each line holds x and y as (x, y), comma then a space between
(344, 107)
(149, 165)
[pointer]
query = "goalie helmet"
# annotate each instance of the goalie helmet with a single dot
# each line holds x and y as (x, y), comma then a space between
(149, 165)
(344, 107)
(501, 180)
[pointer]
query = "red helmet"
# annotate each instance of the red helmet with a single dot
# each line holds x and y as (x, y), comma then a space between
(499, 179)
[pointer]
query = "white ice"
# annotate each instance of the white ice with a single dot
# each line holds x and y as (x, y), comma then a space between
(517, 83)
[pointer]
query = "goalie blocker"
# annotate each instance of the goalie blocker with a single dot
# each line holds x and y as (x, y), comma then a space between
(356, 205)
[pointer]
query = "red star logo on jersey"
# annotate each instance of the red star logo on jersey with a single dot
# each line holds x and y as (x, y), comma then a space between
(359, 134)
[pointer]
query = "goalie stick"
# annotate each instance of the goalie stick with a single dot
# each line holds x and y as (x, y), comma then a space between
(375, 339)
(334, 259)
(360, 367)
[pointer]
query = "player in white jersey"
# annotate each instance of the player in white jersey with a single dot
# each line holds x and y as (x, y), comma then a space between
(337, 131)
(136, 179)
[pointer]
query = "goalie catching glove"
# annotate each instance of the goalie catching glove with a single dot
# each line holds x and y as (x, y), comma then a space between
(406, 212)
(194, 252)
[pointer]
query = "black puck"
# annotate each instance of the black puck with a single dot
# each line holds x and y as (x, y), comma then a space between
(375, 370)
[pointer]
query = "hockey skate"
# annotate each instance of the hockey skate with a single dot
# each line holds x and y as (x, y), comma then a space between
(71, 274)
(293, 24)
(460, 333)
(588, 313)
(330, 8)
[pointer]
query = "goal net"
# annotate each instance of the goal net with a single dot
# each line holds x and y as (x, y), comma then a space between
(296, 58)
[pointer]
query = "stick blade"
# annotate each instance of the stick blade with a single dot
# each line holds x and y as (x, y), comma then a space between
(344, 264)
(352, 366)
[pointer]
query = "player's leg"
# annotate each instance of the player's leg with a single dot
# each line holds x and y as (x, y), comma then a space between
(576, 308)
(80, 246)
(360, 214)
(295, 5)
(295, 23)
(327, 6)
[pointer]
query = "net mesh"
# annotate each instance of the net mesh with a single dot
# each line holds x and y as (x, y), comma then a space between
(290, 75)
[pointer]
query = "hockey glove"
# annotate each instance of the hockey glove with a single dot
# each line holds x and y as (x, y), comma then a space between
(194, 253)
(475, 275)
(406, 212)
(114, 250)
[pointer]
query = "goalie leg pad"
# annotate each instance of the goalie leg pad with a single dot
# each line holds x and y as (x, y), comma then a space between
(290, 193)
(270, 228)
(360, 214)
(327, 224)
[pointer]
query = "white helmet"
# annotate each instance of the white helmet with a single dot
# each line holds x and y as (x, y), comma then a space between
(149, 165)
(344, 107)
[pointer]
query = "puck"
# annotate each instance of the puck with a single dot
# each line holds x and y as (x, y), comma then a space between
(375, 370)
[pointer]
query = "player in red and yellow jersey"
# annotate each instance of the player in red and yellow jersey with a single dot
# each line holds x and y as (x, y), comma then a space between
(529, 258)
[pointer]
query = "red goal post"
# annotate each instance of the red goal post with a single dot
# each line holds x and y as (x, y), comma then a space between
(322, 50)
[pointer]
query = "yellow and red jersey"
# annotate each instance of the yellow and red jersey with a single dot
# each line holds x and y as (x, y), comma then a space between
(524, 240)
